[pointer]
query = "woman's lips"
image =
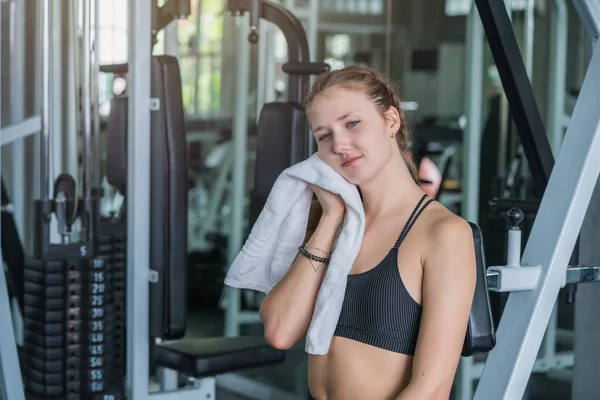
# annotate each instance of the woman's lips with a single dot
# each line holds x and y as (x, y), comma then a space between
(351, 161)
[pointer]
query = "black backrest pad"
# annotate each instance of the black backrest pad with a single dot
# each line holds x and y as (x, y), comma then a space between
(168, 193)
(481, 335)
(116, 144)
(281, 132)
(168, 229)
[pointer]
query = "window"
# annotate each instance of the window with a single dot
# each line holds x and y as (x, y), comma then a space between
(200, 37)
(112, 46)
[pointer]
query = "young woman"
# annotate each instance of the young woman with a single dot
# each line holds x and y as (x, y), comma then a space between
(409, 293)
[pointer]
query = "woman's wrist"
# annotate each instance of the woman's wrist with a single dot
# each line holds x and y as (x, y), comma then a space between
(331, 220)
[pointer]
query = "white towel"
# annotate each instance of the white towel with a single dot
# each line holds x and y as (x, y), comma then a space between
(280, 228)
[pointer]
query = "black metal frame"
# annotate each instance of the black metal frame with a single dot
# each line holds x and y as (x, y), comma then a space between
(519, 91)
(521, 100)
(295, 36)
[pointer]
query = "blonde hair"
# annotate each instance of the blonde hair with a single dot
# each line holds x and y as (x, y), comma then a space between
(379, 89)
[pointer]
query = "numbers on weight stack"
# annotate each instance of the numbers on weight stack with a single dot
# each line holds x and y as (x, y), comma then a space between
(69, 335)
(97, 325)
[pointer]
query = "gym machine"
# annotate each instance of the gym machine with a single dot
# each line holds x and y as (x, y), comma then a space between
(535, 278)
(155, 189)
(74, 294)
(74, 279)
(282, 134)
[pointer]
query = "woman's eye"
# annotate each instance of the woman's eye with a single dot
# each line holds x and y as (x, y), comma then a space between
(323, 137)
(352, 124)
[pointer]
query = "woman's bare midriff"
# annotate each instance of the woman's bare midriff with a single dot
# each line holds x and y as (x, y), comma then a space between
(355, 371)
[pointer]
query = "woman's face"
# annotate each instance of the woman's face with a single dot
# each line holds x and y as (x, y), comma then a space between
(353, 137)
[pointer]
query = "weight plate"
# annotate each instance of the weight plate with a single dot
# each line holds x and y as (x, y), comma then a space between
(74, 391)
(82, 351)
(53, 341)
(59, 366)
(65, 327)
(61, 266)
(54, 292)
(65, 278)
(56, 304)
(70, 314)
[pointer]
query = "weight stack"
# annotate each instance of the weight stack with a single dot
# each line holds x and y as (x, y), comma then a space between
(73, 339)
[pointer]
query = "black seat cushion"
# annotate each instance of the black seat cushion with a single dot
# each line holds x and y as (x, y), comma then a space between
(207, 357)
(481, 334)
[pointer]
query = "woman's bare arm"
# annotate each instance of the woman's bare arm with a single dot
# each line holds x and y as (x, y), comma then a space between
(287, 309)
(449, 277)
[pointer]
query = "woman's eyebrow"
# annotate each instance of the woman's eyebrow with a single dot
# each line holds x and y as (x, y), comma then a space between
(341, 117)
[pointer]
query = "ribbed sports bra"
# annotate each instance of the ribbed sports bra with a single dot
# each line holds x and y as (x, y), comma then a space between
(377, 308)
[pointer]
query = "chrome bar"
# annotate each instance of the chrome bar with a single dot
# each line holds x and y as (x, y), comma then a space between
(575, 274)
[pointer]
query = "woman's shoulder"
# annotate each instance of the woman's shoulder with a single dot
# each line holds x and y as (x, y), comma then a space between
(446, 230)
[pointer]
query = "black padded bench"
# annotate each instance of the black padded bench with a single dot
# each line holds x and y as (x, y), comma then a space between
(198, 358)
(202, 358)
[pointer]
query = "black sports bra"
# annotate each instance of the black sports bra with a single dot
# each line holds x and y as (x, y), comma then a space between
(377, 308)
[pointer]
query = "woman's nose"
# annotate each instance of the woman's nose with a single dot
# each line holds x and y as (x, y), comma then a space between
(341, 143)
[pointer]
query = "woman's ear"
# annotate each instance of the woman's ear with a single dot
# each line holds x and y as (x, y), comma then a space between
(392, 118)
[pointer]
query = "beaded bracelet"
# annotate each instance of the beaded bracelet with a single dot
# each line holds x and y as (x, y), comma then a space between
(311, 256)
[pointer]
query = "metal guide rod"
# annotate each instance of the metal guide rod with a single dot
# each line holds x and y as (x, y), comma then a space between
(86, 96)
(529, 36)
(95, 174)
(17, 109)
(21, 130)
(473, 109)
(11, 381)
(550, 245)
(240, 139)
(557, 73)
(138, 199)
(46, 32)
(474, 46)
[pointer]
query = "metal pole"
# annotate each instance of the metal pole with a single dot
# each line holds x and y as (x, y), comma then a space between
(529, 35)
(57, 155)
(86, 97)
(95, 152)
(17, 108)
(557, 74)
(312, 36)
(17, 114)
(474, 114)
(240, 140)
(556, 110)
(72, 96)
(471, 146)
(45, 101)
(11, 381)
(138, 198)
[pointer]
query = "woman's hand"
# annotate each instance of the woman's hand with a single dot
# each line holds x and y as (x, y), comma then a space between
(332, 204)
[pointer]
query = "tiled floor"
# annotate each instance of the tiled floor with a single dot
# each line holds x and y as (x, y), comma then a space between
(291, 376)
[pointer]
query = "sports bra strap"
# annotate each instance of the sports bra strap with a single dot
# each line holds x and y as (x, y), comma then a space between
(411, 220)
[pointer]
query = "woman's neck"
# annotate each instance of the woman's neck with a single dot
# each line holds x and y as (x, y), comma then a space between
(391, 191)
